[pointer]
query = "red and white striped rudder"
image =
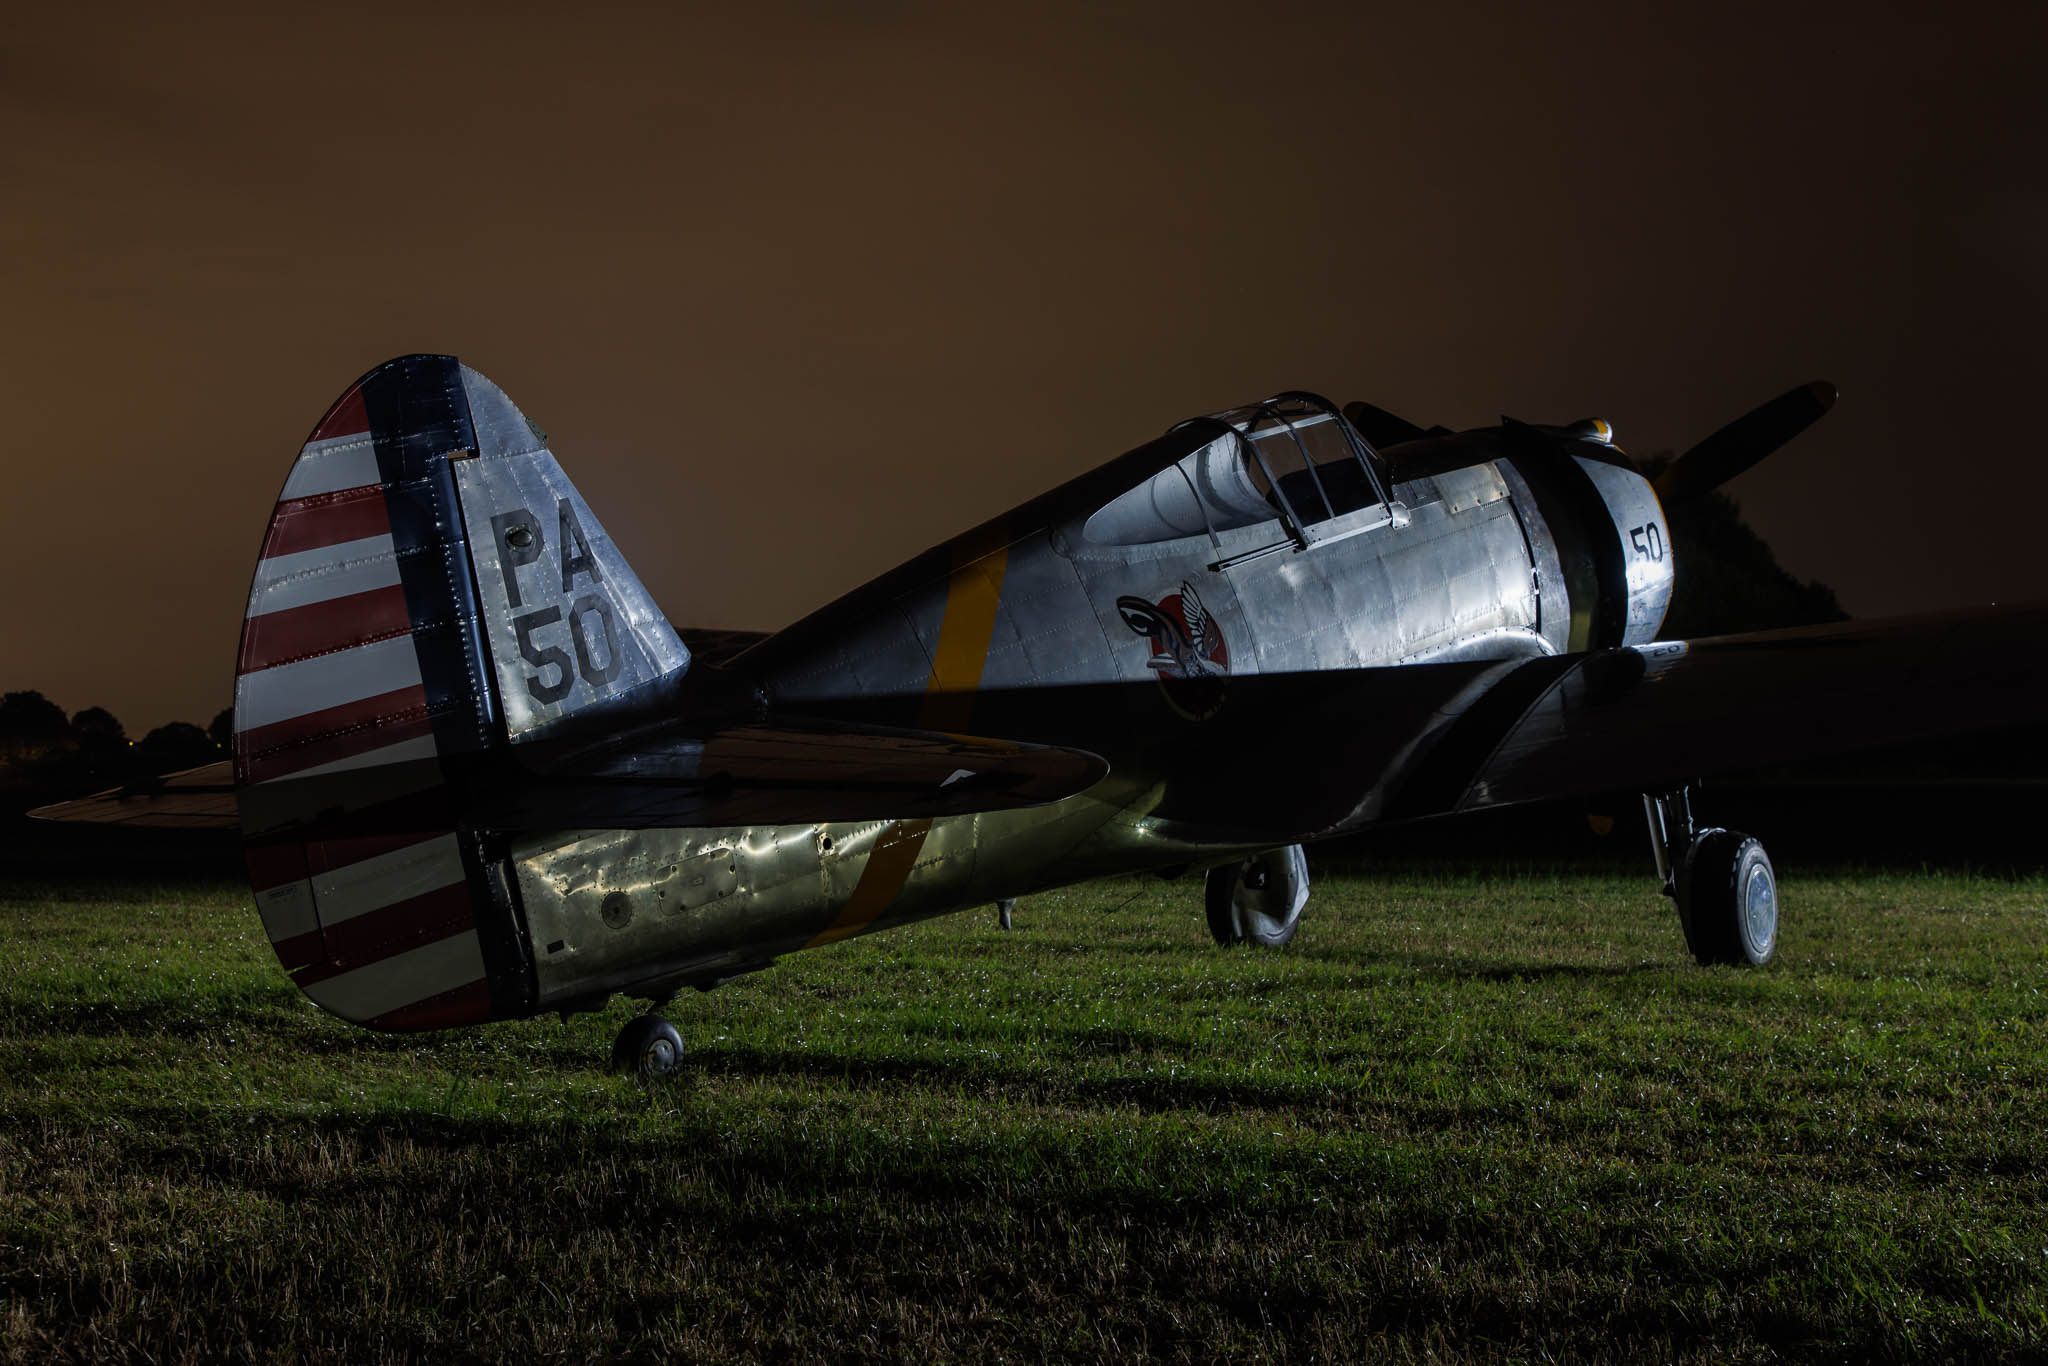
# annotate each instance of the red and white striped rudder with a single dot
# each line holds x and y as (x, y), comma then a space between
(401, 575)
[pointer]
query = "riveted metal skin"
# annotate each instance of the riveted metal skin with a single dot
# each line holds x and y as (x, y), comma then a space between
(1183, 658)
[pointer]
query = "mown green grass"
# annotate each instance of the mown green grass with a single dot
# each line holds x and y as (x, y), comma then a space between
(1491, 1117)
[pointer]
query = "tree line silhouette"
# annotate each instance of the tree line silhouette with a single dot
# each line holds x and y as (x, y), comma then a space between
(47, 756)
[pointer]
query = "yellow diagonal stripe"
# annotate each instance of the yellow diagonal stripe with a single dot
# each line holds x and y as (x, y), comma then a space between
(972, 594)
(888, 868)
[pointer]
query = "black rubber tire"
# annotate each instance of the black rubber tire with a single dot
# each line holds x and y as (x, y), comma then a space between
(649, 1047)
(1728, 899)
(1217, 890)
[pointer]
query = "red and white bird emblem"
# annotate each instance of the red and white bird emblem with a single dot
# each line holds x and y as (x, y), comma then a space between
(1189, 655)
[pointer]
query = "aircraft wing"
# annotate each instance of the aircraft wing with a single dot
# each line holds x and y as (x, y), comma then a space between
(1302, 756)
(1449, 738)
(1292, 756)
(1657, 716)
(197, 799)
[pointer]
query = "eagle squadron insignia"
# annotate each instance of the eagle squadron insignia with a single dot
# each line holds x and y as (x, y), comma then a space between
(1189, 656)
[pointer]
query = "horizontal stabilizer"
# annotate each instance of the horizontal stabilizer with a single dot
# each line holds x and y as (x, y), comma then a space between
(197, 799)
(714, 648)
(782, 773)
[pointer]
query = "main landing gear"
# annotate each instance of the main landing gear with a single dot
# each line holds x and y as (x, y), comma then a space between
(1721, 881)
(648, 1047)
(1259, 900)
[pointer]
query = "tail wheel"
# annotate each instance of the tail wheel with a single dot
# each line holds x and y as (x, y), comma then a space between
(648, 1047)
(1257, 901)
(1728, 899)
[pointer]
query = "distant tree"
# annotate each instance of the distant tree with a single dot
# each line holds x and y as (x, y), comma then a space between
(98, 725)
(221, 729)
(177, 745)
(1727, 580)
(104, 754)
(31, 725)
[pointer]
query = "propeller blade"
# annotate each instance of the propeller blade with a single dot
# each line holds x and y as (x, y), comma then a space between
(1745, 441)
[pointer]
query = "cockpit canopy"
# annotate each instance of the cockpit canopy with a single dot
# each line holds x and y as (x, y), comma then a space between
(1294, 459)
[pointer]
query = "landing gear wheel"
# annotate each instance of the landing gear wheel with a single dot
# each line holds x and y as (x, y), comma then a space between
(1727, 896)
(1257, 901)
(649, 1047)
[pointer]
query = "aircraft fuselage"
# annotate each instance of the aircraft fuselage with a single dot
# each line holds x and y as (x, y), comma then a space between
(1113, 615)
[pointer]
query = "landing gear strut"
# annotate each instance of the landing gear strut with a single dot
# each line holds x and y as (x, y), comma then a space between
(1721, 881)
(648, 1047)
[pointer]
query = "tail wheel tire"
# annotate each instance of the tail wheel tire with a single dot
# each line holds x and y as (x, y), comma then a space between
(648, 1047)
(1728, 899)
(1257, 901)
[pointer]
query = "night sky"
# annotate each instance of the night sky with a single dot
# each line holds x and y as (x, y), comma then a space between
(800, 294)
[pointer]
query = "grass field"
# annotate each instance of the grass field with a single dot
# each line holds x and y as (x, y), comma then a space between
(1484, 1117)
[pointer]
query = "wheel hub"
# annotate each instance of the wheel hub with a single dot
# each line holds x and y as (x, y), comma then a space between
(1760, 908)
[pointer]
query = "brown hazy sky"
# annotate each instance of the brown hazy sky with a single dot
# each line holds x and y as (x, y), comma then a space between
(801, 293)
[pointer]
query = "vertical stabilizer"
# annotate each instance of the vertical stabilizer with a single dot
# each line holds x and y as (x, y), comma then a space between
(571, 631)
(431, 587)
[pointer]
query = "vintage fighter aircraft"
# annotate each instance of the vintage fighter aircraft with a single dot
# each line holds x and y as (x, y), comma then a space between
(480, 776)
